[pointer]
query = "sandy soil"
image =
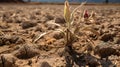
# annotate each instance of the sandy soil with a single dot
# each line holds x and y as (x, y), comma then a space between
(21, 25)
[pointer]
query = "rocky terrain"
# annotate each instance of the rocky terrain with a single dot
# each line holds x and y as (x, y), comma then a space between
(21, 44)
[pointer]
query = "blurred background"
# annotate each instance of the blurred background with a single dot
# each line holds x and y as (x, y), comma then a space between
(91, 1)
(61, 1)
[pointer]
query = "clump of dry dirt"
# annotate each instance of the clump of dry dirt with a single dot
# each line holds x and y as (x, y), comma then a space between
(21, 24)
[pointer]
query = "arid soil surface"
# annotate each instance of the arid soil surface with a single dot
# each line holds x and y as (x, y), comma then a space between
(22, 25)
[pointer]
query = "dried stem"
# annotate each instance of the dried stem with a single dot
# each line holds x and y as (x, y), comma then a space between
(88, 38)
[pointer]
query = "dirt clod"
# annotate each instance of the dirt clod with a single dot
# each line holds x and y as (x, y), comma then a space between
(59, 20)
(7, 60)
(45, 64)
(8, 39)
(107, 50)
(26, 52)
(28, 24)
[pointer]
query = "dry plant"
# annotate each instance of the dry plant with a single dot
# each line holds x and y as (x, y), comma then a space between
(71, 31)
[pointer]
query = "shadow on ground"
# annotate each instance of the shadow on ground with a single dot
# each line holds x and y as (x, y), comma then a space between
(74, 59)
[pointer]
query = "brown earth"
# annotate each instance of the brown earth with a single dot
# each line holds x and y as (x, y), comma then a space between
(20, 25)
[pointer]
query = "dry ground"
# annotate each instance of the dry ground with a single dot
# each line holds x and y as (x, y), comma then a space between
(21, 24)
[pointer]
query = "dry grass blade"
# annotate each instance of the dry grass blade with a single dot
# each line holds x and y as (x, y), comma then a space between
(41, 35)
(60, 30)
(55, 23)
(89, 40)
(77, 9)
(91, 15)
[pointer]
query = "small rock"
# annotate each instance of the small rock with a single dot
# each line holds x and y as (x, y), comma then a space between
(50, 17)
(110, 26)
(9, 39)
(92, 61)
(26, 52)
(106, 50)
(28, 24)
(45, 64)
(41, 28)
(106, 37)
(59, 20)
(58, 35)
(16, 39)
(7, 60)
